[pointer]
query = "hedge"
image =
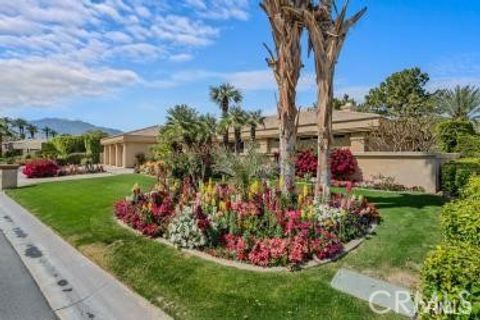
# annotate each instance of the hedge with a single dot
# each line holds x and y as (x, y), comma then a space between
(460, 221)
(451, 270)
(468, 145)
(455, 174)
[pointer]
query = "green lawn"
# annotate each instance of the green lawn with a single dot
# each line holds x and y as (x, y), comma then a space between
(190, 288)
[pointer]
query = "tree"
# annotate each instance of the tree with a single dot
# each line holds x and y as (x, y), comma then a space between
(236, 119)
(449, 132)
(460, 103)
(223, 95)
(255, 119)
(5, 131)
(401, 94)
(93, 147)
(32, 130)
(20, 124)
(404, 134)
(53, 133)
(327, 29)
(345, 100)
(286, 63)
(47, 131)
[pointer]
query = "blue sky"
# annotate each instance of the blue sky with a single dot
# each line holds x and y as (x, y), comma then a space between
(123, 63)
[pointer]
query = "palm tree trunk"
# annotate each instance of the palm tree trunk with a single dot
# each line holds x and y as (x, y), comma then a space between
(238, 140)
(253, 133)
(325, 137)
(225, 115)
(1, 145)
(288, 138)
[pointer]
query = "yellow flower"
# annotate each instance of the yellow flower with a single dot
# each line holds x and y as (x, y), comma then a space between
(281, 182)
(135, 187)
(222, 206)
(305, 190)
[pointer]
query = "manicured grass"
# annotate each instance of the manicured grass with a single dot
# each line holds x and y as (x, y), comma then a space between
(190, 288)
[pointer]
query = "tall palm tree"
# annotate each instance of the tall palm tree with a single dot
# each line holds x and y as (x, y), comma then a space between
(5, 131)
(47, 132)
(460, 103)
(32, 130)
(53, 133)
(223, 95)
(20, 124)
(236, 118)
(255, 119)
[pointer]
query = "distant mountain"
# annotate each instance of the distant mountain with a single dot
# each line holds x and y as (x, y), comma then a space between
(73, 127)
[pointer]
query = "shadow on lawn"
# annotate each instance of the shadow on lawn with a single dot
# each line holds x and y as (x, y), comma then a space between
(411, 200)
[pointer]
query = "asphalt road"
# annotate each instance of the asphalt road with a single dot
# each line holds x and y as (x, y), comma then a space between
(20, 297)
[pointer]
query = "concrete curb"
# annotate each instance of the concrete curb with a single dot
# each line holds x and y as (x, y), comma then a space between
(74, 286)
(350, 246)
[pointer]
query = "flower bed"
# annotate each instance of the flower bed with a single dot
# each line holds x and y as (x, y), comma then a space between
(262, 228)
(45, 168)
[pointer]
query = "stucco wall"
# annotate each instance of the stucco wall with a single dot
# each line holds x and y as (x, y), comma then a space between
(408, 168)
(131, 150)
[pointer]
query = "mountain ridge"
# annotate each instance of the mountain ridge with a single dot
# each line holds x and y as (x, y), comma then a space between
(68, 126)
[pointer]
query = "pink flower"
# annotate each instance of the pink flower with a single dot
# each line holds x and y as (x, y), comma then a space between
(260, 254)
(278, 248)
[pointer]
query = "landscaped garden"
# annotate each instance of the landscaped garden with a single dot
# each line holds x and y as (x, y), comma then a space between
(190, 288)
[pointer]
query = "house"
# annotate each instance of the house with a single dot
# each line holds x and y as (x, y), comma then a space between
(24, 146)
(121, 150)
(350, 129)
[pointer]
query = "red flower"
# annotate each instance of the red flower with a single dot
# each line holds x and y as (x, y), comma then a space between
(260, 254)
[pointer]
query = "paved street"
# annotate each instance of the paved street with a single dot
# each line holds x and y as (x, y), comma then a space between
(20, 297)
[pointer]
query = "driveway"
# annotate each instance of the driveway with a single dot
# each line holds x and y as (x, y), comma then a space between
(20, 297)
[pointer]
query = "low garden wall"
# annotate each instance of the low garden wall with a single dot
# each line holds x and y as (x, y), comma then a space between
(411, 169)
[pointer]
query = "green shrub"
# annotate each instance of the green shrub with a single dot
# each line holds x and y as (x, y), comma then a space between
(468, 145)
(93, 147)
(450, 272)
(48, 150)
(448, 133)
(66, 145)
(460, 220)
(472, 188)
(72, 158)
(455, 174)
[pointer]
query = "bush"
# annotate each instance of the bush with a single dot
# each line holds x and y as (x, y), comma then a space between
(343, 164)
(306, 163)
(66, 145)
(455, 174)
(452, 272)
(448, 133)
(93, 147)
(460, 221)
(48, 150)
(472, 189)
(468, 145)
(40, 168)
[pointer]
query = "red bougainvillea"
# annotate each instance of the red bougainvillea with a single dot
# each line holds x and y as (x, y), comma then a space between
(343, 164)
(41, 168)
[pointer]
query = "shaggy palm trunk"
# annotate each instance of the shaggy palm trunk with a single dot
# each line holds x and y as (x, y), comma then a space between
(253, 133)
(238, 140)
(225, 115)
(1, 146)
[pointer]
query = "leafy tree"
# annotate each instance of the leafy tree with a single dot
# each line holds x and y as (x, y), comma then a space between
(401, 94)
(223, 96)
(5, 131)
(460, 103)
(236, 118)
(93, 147)
(255, 119)
(32, 130)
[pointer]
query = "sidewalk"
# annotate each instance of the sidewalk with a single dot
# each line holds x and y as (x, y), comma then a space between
(75, 287)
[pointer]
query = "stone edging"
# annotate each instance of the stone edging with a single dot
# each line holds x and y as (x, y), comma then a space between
(350, 246)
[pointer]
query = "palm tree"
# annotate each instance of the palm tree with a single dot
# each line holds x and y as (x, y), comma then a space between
(236, 118)
(47, 132)
(5, 131)
(255, 119)
(460, 103)
(223, 95)
(32, 130)
(184, 121)
(20, 124)
(53, 133)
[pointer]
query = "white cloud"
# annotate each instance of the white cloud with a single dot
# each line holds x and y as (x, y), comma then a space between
(82, 40)
(41, 83)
